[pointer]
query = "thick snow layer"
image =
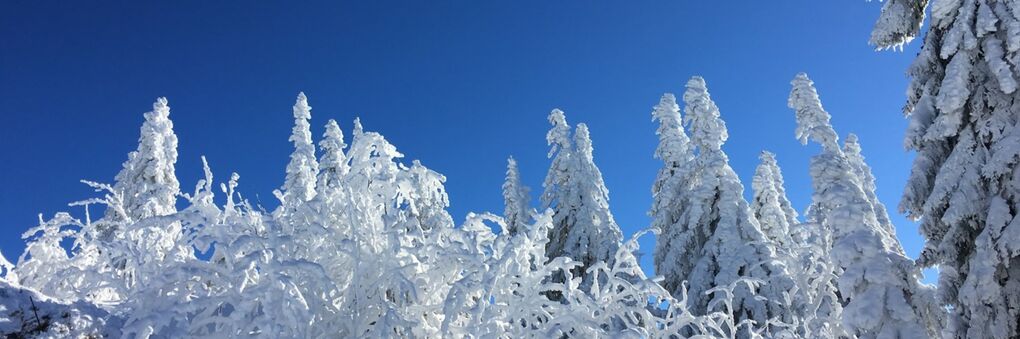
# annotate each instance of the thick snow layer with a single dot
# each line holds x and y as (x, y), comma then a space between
(25, 313)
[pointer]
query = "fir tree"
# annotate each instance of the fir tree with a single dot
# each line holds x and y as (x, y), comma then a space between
(516, 200)
(583, 227)
(333, 165)
(852, 150)
(716, 241)
(670, 189)
(964, 187)
(299, 185)
(881, 293)
(770, 205)
(147, 183)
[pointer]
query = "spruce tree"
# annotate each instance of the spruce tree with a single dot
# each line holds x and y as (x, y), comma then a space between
(671, 186)
(147, 183)
(299, 185)
(964, 187)
(879, 286)
(516, 200)
(583, 227)
(770, 205)
(852, 150)
(333, 165)
(716, 241)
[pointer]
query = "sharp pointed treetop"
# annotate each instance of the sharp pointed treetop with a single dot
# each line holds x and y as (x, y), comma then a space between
(358, 129)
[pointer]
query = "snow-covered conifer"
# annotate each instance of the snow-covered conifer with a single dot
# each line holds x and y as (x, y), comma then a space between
(852, 150)
(561, 151)
(583, 227)
(715, 240)
(880, 289)
(670, 187)
(770, 205)
(516, 200)
(964, 187)
(299, 185)
(676, 153)
(147, 184)
(333, 165)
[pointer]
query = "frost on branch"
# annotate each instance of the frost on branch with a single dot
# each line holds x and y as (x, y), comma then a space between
(899, 23)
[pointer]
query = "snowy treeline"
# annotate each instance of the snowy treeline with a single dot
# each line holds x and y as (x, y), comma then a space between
(362, 245)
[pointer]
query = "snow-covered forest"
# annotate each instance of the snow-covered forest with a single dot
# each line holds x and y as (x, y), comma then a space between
(362, 243)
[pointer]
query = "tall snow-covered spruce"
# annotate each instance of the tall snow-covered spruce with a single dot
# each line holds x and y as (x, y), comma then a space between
(516, 200)
(669, 191)
(712, 239)
(852, 150)
(770, 205)
(299, 186)
(881, 294)
(333, 166)
(964, 187)
(147, 184)
(583, 227)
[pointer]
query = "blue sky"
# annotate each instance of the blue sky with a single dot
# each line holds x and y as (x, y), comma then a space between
(460, 85)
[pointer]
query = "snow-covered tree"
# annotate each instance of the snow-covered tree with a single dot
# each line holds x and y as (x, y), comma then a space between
(880, 289)
(964, 186)
(677, 155)
(669, 191)
(147, 183)
(583, 227)
(516, 200)
(770, 205)
(716, 241)
(803, 248)
(852, 150)
(299, 185)
(333, 166)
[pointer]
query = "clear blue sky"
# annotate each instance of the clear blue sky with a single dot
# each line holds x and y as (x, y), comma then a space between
(460, 85)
